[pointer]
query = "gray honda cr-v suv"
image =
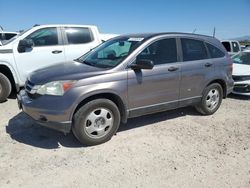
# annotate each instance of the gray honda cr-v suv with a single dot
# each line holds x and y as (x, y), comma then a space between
(128, 76)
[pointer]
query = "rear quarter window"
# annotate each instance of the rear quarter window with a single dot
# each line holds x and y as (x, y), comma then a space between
(236, 47)
(193, 50)
(214, 51)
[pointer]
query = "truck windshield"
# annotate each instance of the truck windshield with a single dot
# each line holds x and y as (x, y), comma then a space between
(111, 53)
(242, 58)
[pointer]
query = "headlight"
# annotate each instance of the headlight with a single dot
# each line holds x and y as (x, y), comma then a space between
(57, 88)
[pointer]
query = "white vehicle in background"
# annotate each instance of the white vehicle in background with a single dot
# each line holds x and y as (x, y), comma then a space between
(106, 37)
(232, 46)
(42, 46)
(241, 73)
(6, 35)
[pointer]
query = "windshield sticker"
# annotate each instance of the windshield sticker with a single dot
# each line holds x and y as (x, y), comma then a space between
(135, 39)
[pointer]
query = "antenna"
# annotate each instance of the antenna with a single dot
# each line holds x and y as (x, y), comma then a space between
(1, 28)
(194, 30)
(214, 32)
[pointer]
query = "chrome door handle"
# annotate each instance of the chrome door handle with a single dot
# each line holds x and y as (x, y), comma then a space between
(171, 69)
(208, 64)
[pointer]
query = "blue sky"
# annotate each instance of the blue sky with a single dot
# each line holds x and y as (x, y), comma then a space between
(230, 17)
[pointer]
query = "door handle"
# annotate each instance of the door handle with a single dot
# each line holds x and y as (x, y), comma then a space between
(208, 64)
(56, 51)
(171, 69)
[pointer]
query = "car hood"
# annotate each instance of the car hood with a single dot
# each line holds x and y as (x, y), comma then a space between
(240, 69)
(65, 71)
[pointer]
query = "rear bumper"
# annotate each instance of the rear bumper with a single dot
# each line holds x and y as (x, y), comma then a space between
(56, 120)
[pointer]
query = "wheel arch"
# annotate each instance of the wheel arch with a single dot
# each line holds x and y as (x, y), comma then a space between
(10, 74)
(106, 95)
(223, 85)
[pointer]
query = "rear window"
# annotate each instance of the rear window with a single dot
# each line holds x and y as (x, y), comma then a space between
(214, 51)
(78, 35)
(227, 46)
(193, 50)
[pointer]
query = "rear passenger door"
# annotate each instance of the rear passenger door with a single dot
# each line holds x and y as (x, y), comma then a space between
(195, 66)
(156, 89)
(78, 41)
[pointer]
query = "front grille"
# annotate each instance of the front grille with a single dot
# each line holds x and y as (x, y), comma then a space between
(241, 78)
(242, 88)
(29, 86)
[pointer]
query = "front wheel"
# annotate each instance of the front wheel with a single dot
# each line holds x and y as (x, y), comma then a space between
(211, 99)
(96, 122)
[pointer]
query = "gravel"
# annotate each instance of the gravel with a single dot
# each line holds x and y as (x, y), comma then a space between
(178, 148)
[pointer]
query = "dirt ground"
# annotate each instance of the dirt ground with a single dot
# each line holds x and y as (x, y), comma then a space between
(177, 148)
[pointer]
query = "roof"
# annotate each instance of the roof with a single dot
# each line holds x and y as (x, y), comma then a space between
(150, 35)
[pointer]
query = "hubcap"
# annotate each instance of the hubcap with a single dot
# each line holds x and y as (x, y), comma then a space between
(99, 122)
(212, 99)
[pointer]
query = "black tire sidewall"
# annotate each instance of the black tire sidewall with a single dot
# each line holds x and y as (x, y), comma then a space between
(80, 116)
(6, 87)
(203, 105)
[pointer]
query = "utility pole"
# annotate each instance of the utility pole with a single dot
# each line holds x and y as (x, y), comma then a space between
(194, 30)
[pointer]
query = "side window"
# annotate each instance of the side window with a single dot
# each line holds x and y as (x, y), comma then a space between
(236, 47)
(214, 51)
(227, 46)
(1, 36)
(78, 35)
(8, 36)
(193, 50)
(160, 52)
(44, 37)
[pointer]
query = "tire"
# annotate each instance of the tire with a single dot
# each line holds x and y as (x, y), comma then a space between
(5, 87)
(211, 99)
(96, 122)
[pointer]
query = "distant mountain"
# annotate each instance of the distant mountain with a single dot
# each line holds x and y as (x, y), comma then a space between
(244, 38)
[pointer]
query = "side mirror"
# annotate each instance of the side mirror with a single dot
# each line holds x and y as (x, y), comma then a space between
(24, 44)
(143, 64)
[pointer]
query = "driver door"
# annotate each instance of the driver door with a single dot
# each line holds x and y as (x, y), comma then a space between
(157, 89)
(47, 50)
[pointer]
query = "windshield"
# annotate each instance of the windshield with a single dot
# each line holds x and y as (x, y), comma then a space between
(242, 58)
(111, 53)
(14, 38)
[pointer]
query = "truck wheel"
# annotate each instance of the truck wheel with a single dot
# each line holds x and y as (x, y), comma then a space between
(96, 122)
(211, 99)
(5, 87)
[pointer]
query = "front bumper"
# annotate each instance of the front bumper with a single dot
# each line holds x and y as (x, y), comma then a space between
(39, 110)
(242, 88)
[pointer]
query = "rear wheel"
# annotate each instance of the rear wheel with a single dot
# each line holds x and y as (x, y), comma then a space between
(211, 99)
(96, 122)
(5, 87)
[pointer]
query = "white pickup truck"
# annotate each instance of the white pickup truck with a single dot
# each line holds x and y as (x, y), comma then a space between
(42, 46)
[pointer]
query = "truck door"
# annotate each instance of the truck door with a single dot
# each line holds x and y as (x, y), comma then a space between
(47, 50)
